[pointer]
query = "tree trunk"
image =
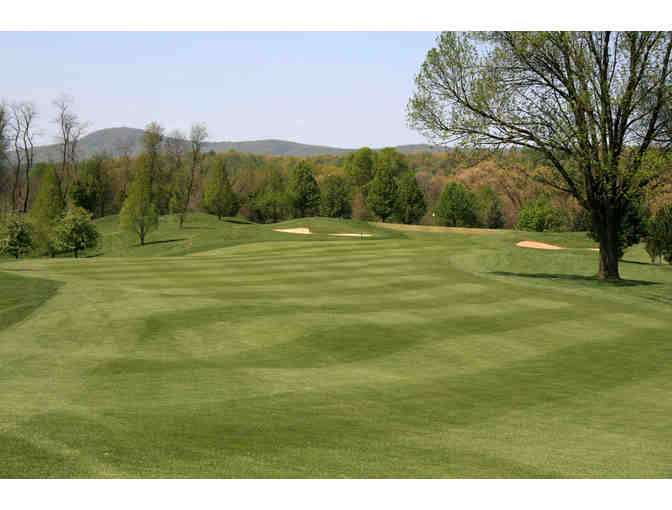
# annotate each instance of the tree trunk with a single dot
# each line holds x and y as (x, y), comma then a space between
(76, 254)
(25, 200)
(607, 227)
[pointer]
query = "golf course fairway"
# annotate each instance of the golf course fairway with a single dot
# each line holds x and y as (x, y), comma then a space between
(231, 350)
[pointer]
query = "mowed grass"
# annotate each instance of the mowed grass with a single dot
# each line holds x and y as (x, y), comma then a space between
(407, 354)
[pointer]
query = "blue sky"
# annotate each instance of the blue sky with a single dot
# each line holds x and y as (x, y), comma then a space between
(344, 89)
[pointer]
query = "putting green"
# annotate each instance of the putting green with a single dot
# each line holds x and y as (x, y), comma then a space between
(407, 354)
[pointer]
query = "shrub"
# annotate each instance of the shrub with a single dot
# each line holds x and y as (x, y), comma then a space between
(76, 231)
(20, 235)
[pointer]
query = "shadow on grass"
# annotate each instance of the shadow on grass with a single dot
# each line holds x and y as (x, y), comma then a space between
(239, 222)
(186, 227)
(164, 241)
(654, 264)
(576, 278)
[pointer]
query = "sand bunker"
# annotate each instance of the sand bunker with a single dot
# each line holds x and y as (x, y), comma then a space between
(544, 246)
(539, 246)
(306, 230)
(300, 230)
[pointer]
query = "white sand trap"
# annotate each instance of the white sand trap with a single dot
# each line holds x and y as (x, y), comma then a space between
(539, 246)
(300, 230)
(352, 235)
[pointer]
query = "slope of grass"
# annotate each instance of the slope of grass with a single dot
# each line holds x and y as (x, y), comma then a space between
(202, 232)
(407, 354)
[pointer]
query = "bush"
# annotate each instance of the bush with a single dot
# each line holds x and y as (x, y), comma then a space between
(76, 231)
(20, 235)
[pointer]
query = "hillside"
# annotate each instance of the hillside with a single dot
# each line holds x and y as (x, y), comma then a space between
(113, 140)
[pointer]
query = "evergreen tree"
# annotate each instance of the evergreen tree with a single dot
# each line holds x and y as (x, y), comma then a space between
(335, 197)
(76, 231)
(304, 191)
(219, 198)
(411, 203)
(382, 193)
(457, 206)
(138, 214)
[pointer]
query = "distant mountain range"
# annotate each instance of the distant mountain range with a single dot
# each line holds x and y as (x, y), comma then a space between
(112, 141)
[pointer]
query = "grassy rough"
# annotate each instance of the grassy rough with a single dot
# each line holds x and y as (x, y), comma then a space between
(263, 354)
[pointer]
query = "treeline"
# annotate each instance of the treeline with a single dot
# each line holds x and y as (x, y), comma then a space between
(173, 175)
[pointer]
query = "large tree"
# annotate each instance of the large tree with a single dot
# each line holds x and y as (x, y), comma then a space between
(23, 116)
(70, 129)
(595, 105)
(152, 165)
(198, 134)
(4, 147)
